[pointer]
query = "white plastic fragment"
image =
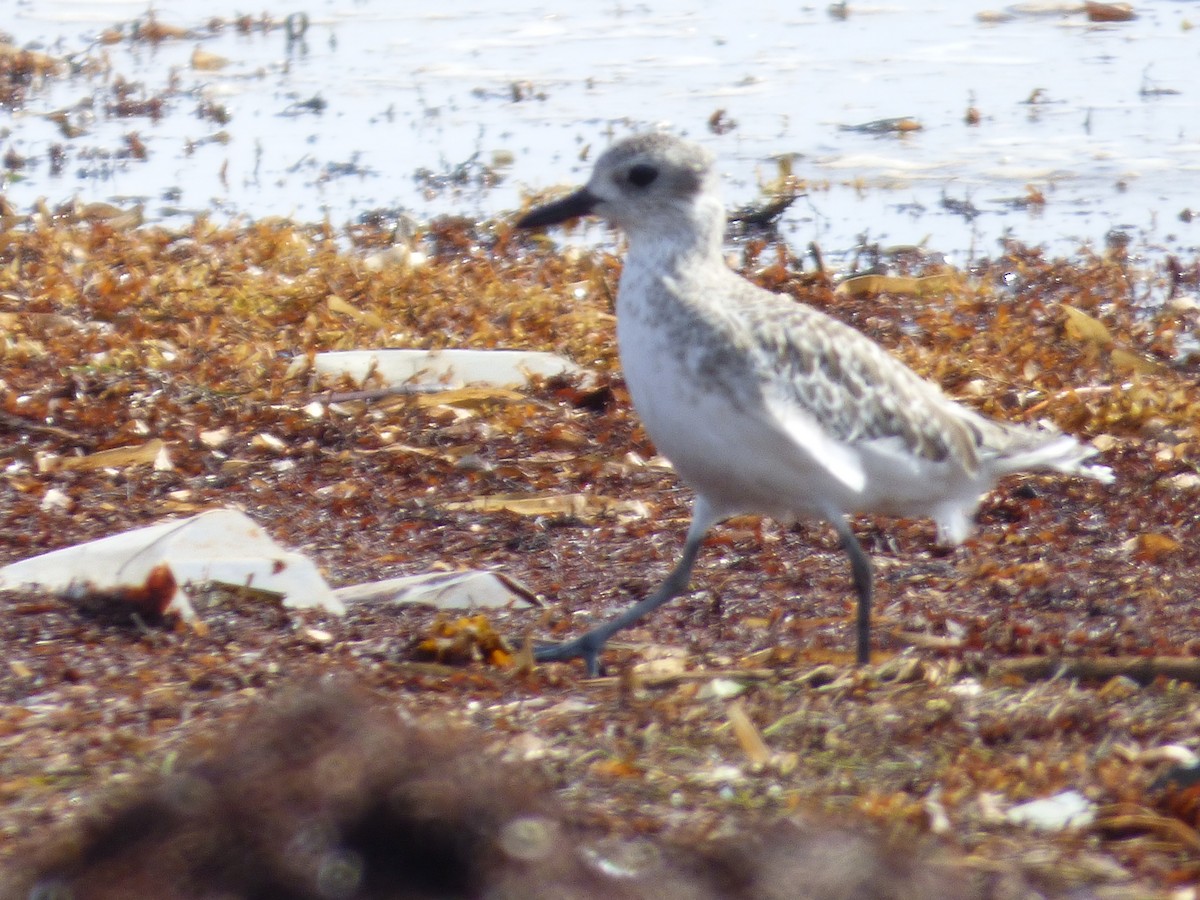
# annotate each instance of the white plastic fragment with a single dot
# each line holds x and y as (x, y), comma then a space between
(397, 256)
(162, 460)
(216, 438)
(1070, 809)
(717, 774)
(935, 811)
(444, 369)
(222, 545)
(721, 689)
(1172, 753)
(266, 441)
(444, 590)
(55, 500)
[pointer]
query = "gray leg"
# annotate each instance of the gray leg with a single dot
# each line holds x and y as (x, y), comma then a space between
(860, 566)
(588, 646)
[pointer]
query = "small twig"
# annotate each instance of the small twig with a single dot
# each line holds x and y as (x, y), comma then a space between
(1143, 669)
(748, 735)
(815, 251)
(928, 641)
(698, 675)
(764, 216)
(378, 393)
(20, 423)
(1121, 819)
(1087, 390)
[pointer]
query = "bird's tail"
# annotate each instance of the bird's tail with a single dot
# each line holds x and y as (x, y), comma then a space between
(1044, 449)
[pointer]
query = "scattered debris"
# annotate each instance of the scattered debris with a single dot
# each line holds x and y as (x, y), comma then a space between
(444, 590)
(443, 369)
(1109, 12)
(331, 793)
(207, 62)
(465, 640)
(762, 216)
(198, 338)
(1070, 809)
(1142, 669)
(720, 122)
(898, 125)
(584, 507)
(925, 286)
(314, 105)
(152, 453)
(159, 562)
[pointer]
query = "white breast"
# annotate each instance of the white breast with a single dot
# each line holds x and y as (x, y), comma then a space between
(722, 442)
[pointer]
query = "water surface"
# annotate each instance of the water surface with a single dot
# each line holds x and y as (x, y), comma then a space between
(462, 109)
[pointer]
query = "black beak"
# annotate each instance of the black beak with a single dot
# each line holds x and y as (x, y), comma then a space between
(580, 203)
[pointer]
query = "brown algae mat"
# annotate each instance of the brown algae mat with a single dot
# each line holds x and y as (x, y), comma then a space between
(1055, 652)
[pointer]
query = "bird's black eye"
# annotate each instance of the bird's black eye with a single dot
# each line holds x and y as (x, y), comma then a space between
(641, 175)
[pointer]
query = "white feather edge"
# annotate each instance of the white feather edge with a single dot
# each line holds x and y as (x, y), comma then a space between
(835, 457)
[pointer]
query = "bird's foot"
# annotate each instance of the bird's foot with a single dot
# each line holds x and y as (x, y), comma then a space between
(586, 647)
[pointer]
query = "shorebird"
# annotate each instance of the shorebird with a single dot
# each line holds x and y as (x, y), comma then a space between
(766, 406)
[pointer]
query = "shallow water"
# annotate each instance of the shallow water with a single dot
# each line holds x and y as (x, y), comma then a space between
(490, 105)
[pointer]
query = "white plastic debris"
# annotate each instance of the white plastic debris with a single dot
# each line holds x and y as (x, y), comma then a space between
(222, 545)
(717, 774)
(935, 811)
(55, 500)
(1070, 809)
(445, 590)
(721, 689)
(397, 256)
(216, 438)
(444, 369)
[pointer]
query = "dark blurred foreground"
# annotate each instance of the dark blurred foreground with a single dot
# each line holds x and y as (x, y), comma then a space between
(333, 795)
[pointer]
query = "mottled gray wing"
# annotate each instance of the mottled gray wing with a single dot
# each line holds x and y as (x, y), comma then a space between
(857, 390)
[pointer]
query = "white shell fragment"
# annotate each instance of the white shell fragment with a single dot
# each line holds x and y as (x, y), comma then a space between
(445, 590)
(221, 545)
(443, 369)
(1070, 809)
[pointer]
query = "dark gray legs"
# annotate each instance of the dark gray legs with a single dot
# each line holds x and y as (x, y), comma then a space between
(588, 646)
(860, 566)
